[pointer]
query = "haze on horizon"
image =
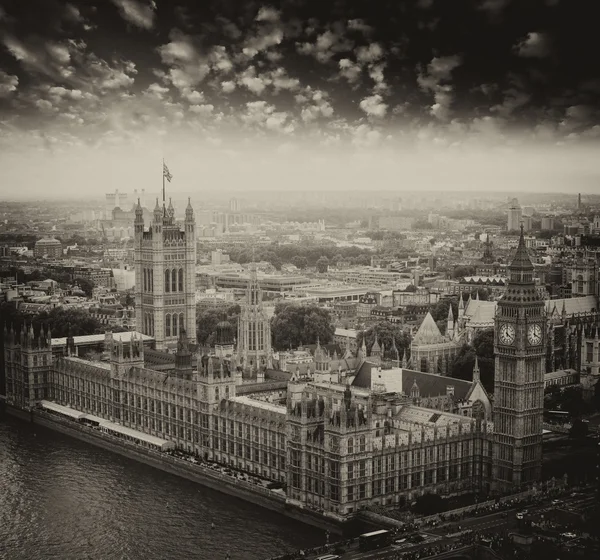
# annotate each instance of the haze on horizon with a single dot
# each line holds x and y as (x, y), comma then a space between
(293, 95)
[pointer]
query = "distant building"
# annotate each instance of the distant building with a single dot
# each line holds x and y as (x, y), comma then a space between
(547, 223)
(48, 247)
(396, 222)
(514, 216)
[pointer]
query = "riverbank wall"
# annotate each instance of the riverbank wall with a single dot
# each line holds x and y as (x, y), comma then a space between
(196, 473)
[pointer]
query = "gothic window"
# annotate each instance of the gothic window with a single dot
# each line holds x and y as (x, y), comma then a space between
(151, 325)
(168, 325)
(181, 323)
(181, 279)
(167, 280)
(175, 323)
(145, 280)
(580, 284)
(350, 445)
(478, 410)
(174, 280)
(151, 280)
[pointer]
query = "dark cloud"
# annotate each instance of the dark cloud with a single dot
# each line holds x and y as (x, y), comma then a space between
(355, 69)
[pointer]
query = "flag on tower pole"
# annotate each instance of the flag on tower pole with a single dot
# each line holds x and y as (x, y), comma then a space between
(166, 172)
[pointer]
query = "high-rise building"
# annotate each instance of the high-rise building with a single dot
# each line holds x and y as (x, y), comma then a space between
(514, 216)
(234, 205)
(165, 275)
(547, 223)
(520, 349)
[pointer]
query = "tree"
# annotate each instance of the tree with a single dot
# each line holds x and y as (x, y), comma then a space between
(129, 300)
(462, 271)
(386, 333)
(300, 262)
(62, 322)
(596, 399)
(86, 286)
(429, 504)
(579, 429)
(439, 310)
(207, 320)
(322, 265)
(483, 347)
(410, 288)
(293, 325)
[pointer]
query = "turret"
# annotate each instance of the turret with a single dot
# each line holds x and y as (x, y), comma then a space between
(139, 219)
(450, 323)
(158, 213)
(476, 377)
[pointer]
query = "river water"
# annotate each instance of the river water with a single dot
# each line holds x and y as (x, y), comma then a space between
(65, 499)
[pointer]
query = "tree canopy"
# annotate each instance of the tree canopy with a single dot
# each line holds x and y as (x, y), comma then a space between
(483, 347)
(294, 325)
(207, 320)
(386, 332)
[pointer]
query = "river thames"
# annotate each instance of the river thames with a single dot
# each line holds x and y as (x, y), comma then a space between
(65, 499)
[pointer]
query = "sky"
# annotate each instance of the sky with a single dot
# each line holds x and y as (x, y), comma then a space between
(298, 94)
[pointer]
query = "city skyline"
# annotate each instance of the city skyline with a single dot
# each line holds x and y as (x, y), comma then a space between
(293, 94)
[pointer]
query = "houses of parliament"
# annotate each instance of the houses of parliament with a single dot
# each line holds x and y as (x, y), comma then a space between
(355, 432)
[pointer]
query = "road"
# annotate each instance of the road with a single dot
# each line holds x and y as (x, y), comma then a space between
(492, 523)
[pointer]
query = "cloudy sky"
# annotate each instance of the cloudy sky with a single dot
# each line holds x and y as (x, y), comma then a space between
(323, 94)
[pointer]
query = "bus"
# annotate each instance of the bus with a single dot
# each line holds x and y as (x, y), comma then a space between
(374, 540)
(557, 416)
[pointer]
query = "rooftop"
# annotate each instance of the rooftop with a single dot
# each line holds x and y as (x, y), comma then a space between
(249, 401)
(99, 338)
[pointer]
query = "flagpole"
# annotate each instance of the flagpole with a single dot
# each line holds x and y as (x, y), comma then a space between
(163, 176)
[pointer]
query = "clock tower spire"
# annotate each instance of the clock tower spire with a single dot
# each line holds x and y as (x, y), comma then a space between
(519, 348)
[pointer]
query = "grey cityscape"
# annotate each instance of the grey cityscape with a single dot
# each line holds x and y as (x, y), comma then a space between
(299, 280)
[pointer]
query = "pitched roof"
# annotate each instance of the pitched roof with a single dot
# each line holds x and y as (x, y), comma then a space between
(430, 384)
(428, 332)
(481, 312)
(572, 305)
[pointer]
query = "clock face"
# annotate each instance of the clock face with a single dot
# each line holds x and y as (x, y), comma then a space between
(534, 335)
(507, 334)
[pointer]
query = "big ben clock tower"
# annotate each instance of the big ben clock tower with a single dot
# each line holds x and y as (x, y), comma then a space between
(519, 348)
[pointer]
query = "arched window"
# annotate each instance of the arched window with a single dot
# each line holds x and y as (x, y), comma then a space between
(181, 322)
(350, 445)
(175, 323)
(151, 272)
(145, 280)
(167, 280)
(35, 361)
(580, 284)
(478, 410)
(181, 279)
(174, 280)
(151, 325)
(146, 323)
(168, 325)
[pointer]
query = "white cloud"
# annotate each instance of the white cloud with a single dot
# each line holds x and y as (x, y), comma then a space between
(439, 71)
(359, 25)
(535, 45)
(157, 91)
(109, 77)
(193, 96)
(349, 70)
(266, 13)
(363, 136)
(369, 54)
(187, 67)
(136, 12)
(227, 87)
(220, 60)
(513, 99)
(202, 109)
(44, 105)
(59, 92)
(318, 105)
(326, 45)
(8, 83)
(374, 106)
(281, 81)
(249, 79)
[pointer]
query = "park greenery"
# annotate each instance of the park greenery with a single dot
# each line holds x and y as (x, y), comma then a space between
(294, 325)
